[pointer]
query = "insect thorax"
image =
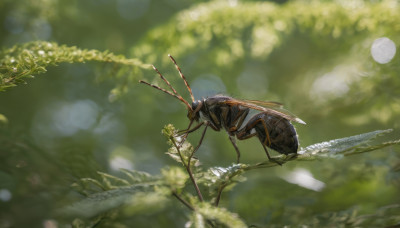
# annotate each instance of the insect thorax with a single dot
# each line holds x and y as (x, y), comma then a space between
(220, 114)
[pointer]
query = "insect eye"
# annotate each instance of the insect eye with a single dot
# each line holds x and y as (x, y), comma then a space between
(195, 104)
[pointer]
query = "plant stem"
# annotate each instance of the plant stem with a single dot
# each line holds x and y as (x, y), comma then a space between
(187, 204)
(220, 189)
(187, 166)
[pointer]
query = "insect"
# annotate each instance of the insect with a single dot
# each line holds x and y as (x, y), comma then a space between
(271, 125)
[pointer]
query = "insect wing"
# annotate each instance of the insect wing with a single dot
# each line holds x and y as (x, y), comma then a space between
(271, 107)
(267, 104)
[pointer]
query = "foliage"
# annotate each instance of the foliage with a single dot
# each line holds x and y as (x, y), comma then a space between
(229, 35)
(202, 28)
(142, 191)
(26, 60)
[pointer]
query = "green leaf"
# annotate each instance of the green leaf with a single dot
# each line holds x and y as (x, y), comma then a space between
(197, 220)
(136, 177)
(174, 177)
(220, 215)
(387, 216)
(103, 201)
(88, 186)
(336, 148)
(135, 195)
(185, 148)
(219, 177)
(146, 203)
(112, 181)
(169, 132)
(254, 29)
(25, 60)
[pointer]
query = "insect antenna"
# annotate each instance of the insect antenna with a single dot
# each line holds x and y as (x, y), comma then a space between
(175, 94)
(182, 76)
(165, 80)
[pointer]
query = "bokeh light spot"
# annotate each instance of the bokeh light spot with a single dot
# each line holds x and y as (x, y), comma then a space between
(335, 83)
(383, 50)
(49, 223)
(80, 115)
(118, 162)
(5, 195)
(305, 179)
(121, 158)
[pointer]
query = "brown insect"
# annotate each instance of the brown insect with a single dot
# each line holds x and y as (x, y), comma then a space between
(271, 125)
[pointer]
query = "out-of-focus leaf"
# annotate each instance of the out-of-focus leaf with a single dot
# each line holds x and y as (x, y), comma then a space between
(196, 221)
(254, 29)
(112, 181)
(89, 186)
(387, 216)
(220, 215)
(108, 200)
(174, 177)
(136, 177)
(146, 202)
(26, 60)
(3, 119)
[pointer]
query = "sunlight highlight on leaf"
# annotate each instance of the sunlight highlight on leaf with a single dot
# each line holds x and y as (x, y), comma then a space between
(26, 60)
(221, 215)
(346, 146)
(336, 148)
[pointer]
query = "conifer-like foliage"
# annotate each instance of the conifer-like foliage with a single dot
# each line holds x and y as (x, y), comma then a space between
(79, 136)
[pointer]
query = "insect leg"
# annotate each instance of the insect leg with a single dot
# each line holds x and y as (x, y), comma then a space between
(266, 151)
(269, 158)
(201, 139)
(241, 116)
(253, 122)
(236, 148)
(243, 136)
(188, 130)
(267, 140)
(184, 133)
(195, 128)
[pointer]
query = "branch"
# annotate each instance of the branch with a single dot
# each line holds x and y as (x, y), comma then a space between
(220, 177)
(26, 60)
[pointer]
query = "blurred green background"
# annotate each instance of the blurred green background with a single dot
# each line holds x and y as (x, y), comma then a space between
(312, 56)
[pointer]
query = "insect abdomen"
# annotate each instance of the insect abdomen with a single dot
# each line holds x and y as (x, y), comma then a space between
(282, 134)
